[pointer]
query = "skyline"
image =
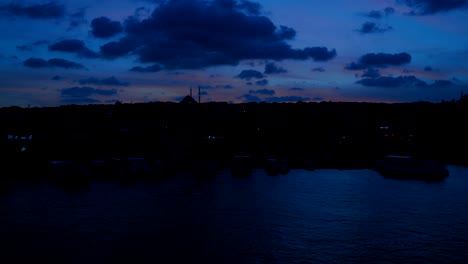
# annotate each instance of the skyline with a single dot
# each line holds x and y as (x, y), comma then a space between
(80, 52)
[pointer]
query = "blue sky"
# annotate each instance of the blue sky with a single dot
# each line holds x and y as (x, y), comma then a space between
(99, 52)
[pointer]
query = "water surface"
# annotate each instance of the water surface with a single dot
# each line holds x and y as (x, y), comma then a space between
(320, 216)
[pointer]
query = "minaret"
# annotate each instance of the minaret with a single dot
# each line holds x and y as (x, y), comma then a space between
(199, 94)
(190, 91)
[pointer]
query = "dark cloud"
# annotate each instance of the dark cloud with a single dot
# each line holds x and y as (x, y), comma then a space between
(317, 53)
(52, 63)
(318, 69)
(291, 98)
(205, 87)
(442, 83)
(262, 91)
(29, 47)
(249, 98)
(429, 7)
(296, 89)
(57, 78)
(8, 57)
(262, 82)
(393, 82)
(374, 14)
(379, 60)
(103, 27)
(225, 86)
(142, 12)
(23, 48)
(119, 48)
(85, 92)
(271, 68)
(78, 18)
(152, 68)
(249, 74)
(228, 86)
(203, 93)
(40, 42)
(428, 68)
(194, 34)
(286, 33)
(111, 81)
(79, 100)
(176, 73)
(73, 46)
(252, 8)
(272, 99)
(83, 95)
(403, 81)
(49, 10)
(389, 11)
(371, 73)
(377, 14)
(371, 27)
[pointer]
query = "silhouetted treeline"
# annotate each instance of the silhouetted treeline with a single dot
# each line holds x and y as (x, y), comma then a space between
(334, 132)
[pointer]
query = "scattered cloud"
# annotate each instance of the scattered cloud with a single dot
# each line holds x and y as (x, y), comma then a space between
(31, 46)
(49, 10)
(371, 27)
(262, 82)
(79, 100)
(187, 34)
(429, 7)
(318, 69)
(442, 83)
(271, 68)
(249, 74)
(73, 46)
(402, 81)
(86, 92)
(296, 89)
(103, 27)
(292, 98)
(249, 98)
(23, 48)
(78, 18)
(391, 82)
(44, 11)
(111, 81)
(52, 63)
(378, 14)
(371, 73)
(379, 60)
(374, 14)
(225, 86)
(152, 68)
(262, 91)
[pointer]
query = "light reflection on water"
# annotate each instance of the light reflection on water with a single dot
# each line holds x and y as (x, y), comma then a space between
(321, 216)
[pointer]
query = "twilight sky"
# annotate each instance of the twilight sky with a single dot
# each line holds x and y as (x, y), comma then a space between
(101, 51)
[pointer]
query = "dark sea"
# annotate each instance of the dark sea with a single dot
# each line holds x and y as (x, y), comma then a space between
(318, 216)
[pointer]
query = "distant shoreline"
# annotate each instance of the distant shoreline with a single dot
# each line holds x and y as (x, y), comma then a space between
(340, 132)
